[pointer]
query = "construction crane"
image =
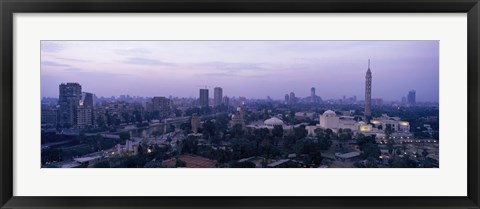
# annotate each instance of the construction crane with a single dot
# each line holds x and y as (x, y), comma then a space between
(206, 86)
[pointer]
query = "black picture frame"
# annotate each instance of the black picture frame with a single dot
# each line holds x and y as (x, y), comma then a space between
(10, 7)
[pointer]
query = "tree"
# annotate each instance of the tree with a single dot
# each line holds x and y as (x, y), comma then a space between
(398, 151)
(208, 129)
(236, 131)
(388, 130)
(300, 132)
(245, 164)
(51, 155)
(277, 131)
(390, 143)
(260, 135)
(102, 164)
(155, 134)
(124, 136)
(180, 164)
(425, 153)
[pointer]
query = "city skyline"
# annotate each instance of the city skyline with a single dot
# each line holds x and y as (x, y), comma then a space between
(255, 69)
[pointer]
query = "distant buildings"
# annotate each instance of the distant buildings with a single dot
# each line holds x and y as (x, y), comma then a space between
(69, 98)
(368, 93)
(195, 123)
(377, 102)
(239, 118)
(226, 101)
(203, 98)
(162, 106)
(287, 99)
(330, 120)
(292, 98)
(217, 96)
(411, 98)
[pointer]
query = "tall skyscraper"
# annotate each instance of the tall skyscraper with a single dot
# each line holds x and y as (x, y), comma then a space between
(217, 96)
(287, 99)
(312, 95)
(368, 92)
(411, 98)
(203, 97)
(69, 98)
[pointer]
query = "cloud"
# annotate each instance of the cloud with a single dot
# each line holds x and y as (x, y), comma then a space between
(48, 46)
(133, 51)
(54, 64)
(72, 59)
(73, 69)
(234, 67)
(146, 61)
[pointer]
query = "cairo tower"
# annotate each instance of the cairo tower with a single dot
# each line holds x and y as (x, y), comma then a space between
(368, 93)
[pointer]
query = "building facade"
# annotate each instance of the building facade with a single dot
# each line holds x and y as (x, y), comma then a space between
(162, 106)
(69, 98)
(217, 96)
(203, 98)
(411, 98)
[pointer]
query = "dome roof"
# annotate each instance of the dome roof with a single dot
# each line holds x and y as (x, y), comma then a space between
(329, 112)
(273, 122)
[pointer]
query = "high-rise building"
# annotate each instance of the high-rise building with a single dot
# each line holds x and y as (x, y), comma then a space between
(404, 101)
(162, 106)
(368, 93)
(84, 116)
(239, 118)
(49, 115)
(203, 97)
(312, 95)
(69, 98)
(287, 99)
(411, 98)
(293, 99)
(87, 99)
(217, 96)
(85, 110)
(226, 101)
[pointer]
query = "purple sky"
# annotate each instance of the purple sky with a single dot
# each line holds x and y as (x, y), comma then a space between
(255, 69)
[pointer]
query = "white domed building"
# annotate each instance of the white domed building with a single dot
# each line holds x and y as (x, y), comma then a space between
(273, 122)
(329, 119)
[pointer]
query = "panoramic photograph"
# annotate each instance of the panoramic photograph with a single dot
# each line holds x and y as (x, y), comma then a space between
(240, 104)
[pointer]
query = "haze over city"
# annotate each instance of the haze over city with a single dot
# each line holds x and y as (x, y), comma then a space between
(255, 69)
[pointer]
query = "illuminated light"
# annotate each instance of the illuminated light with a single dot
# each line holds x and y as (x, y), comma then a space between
(149, 150)
(404, 123)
